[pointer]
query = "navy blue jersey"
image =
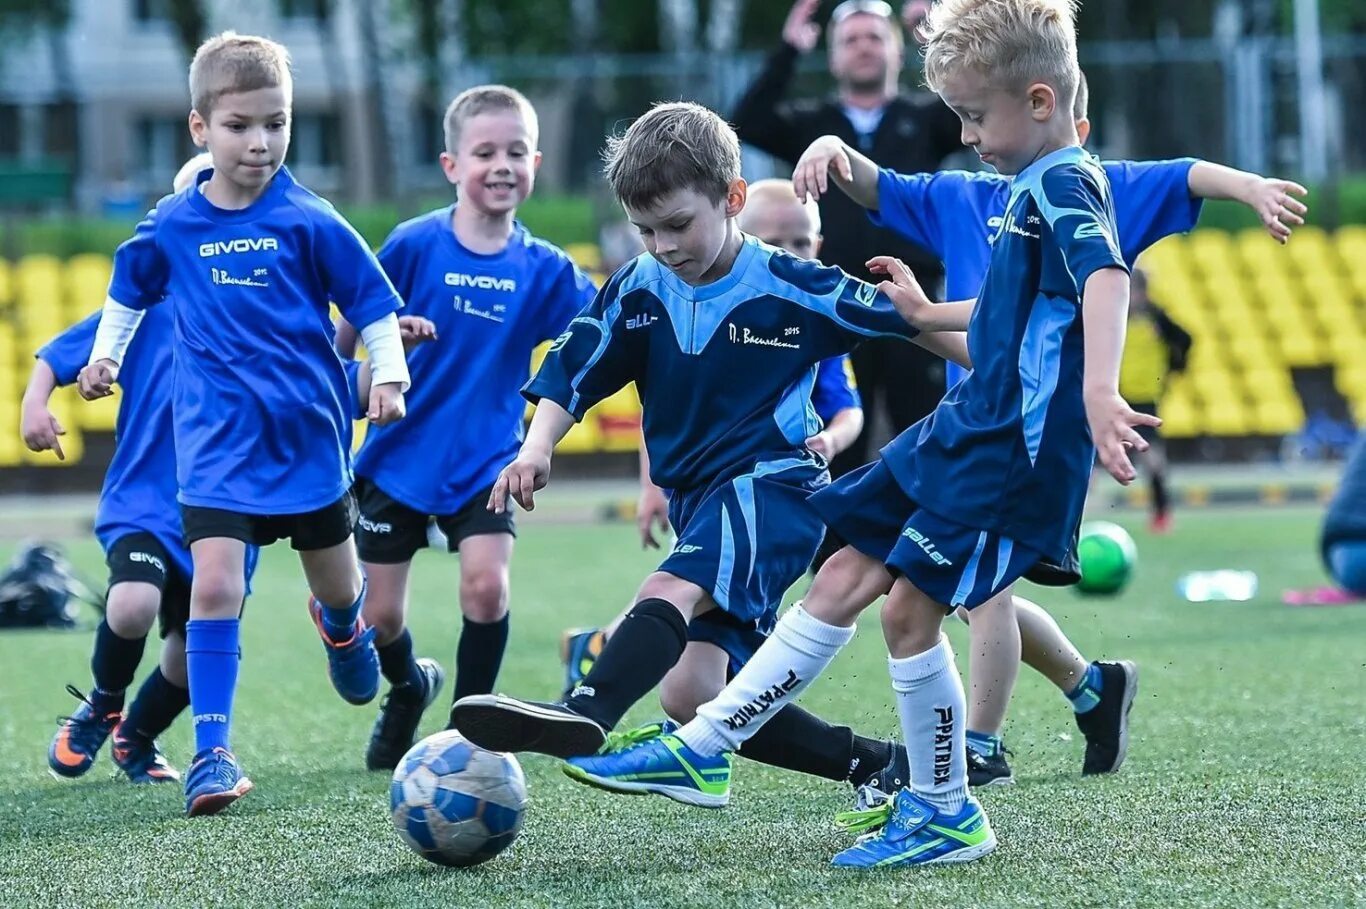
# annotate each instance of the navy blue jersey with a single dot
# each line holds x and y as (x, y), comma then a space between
(835, 388)
(1009, 450)
(725, 371)
(261, 400)
(464, 420)
(955, 214)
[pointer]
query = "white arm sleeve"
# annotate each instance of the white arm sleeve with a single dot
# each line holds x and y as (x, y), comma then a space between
(387, 361)
(118, 324)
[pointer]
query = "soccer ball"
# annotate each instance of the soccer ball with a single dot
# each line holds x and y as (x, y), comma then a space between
(1107, 555)
(455, 803)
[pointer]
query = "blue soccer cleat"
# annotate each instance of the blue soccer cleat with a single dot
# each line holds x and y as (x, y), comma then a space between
(213, 782)
(353, 664)
(140, 759)
(649, 760)
(79, 738)
(909, 831)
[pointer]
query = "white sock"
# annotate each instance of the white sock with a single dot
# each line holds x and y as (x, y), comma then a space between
(929, 697)
(797, 652)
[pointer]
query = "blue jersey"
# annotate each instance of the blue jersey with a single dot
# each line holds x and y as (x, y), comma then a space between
(1009, 450)
(725, 371)
(955, 213)
(261, 400)
(464, 421)
(139, 492)
(835, 389)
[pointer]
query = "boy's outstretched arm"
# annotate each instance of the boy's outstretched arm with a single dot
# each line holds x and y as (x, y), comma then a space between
(413, 330)
(118, 324)
(827, 157)
(1105, 307)
(1272, 199)
(531, 469)
(38, 426)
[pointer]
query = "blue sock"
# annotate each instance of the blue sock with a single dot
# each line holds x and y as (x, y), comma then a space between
(985, 745)
(211, 656)
(1087, 693)
(340, 624)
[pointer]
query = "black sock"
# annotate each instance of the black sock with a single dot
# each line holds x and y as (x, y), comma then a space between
(1161, 502)
(113, 665)
(397, 664)
(642, 650)
(795, 739)
(478, 657)
(156, 706)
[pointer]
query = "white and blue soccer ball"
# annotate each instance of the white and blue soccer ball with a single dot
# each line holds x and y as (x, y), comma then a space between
(455, 803)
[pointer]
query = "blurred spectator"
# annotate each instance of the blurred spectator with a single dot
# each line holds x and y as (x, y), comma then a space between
(1154, 348)
(906, 132)
(1344, 526)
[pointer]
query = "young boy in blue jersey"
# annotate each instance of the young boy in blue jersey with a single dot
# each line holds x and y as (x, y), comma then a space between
(494, 293)
(138, 526)
(954, 214)
(260, 397)
(961, 505)
(721, 334)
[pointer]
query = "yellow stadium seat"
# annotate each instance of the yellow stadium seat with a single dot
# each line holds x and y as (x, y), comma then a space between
(1351, 379)
(6, 283)
(1278, 418)
(586, 255)
(1180, 419)
(99, 415)
(358, 430)
(12, 447)
(1299, 348)
(582, 437)
(618, 420)
(1227, 418)
(1263, 380)
(87, 283)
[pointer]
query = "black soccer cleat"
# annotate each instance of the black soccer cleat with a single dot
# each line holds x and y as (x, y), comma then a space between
(497, 722)
(989, 771)
(396, 726)
(886, 783)
(1106, 725)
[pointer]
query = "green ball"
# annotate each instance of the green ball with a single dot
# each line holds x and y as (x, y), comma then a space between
(1108, 556)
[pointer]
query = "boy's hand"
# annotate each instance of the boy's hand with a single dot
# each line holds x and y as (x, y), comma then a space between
(799, 31)
(811, 175)
(652, 510)
(96, 380)
(904, 291)
(520, 479)
(1273, 201)
(386, 404)
(1112, 430)
(415, 330)
(41, 429)
(821, 444)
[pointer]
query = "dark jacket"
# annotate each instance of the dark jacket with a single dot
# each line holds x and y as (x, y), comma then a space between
(1176, 338)
(916, 133)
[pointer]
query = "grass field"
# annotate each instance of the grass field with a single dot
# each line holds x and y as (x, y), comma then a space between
(1244, 784)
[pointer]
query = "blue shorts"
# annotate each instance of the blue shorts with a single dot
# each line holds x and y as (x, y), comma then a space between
(738, 639)
(748, 538)
(950, 563)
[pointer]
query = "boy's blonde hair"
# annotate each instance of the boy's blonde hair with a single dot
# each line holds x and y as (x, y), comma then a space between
(481, 100)
(679, 145)
(230, 63)
(190, 171)
(1083, 100)
(776, 191)
(1013, 43)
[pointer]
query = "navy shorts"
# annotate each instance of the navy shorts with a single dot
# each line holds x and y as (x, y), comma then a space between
(142, 558)
(952, 564)
(738, 639)
(747, 539)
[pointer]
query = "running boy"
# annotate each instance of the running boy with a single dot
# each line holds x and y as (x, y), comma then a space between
(494, 293)
(721, 334)
(963, 503)
(260, 396)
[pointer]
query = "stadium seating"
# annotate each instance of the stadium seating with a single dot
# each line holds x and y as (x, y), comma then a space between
(1256, 310)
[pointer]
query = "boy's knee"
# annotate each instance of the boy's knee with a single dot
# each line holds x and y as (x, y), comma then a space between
(680, 698)
(217, 593)
(484, 594)
(131, 609)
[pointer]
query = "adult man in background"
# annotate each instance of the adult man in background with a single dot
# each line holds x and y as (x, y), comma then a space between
(906, 132)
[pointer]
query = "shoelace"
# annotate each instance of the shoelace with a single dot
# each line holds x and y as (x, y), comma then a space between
(78, 695)
(864, 820)
(620, 741)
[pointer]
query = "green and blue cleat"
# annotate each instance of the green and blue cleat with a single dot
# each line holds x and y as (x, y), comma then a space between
(909, 831)
(651, 760)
